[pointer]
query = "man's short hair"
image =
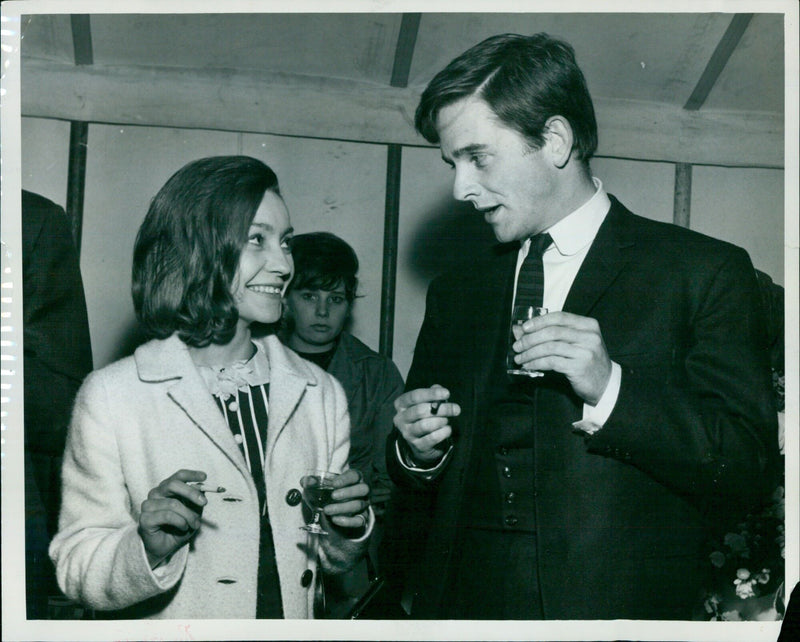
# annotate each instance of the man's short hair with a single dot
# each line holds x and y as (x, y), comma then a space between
(323, 261)
(187, 251)
(524, 80)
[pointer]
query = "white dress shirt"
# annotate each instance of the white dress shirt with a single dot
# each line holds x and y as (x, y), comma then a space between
(572, 237)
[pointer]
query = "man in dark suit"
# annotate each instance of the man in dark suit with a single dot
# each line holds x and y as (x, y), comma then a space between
(584, 493)
(57, 356)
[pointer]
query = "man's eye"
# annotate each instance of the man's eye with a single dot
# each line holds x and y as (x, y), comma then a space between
(338, 300)
(287, 243)
(479, 160)
(308, 296)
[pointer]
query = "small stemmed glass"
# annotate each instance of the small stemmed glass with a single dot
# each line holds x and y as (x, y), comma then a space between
(317, 488)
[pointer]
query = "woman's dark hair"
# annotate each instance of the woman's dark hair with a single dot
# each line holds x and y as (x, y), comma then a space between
(322, 261)
(187, 250)
(525, 80)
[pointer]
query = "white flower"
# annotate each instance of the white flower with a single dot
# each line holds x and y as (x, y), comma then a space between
(744, 588)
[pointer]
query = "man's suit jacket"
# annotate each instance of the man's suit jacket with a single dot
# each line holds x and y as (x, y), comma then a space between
(621, 515)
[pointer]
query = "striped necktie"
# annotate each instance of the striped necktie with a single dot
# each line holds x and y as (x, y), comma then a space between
(530, 283)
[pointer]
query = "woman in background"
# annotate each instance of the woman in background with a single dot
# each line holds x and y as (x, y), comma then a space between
(319, 302)
(183, 462)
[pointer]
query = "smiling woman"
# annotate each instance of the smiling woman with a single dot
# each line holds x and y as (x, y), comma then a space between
(205, 401)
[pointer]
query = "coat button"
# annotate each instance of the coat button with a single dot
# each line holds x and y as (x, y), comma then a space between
(502, 451)
(306, 577)
(293, 497)
(506, 472)
(511, 520)
(510, 497)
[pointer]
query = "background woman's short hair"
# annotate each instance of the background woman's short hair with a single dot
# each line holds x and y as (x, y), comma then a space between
(187, 250)
(322, 261)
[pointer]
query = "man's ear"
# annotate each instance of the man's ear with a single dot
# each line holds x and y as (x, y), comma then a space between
(558, 140)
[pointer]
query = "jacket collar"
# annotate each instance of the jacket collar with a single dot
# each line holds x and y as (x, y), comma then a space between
(169, 359)
(603, 263)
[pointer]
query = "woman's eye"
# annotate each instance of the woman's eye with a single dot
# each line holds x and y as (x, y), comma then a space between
(287, 243)
(256, 239)
(308, 296)
(338, 300)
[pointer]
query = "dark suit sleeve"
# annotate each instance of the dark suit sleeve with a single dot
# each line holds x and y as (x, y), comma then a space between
(706, 427)
(391, 387)
(431, 350)
(56, 329)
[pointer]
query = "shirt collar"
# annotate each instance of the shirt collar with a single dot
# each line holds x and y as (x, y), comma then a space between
(577, 230)
(240, 375)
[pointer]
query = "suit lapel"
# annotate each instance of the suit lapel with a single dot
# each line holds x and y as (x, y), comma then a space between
(492, 312)
(603, 263)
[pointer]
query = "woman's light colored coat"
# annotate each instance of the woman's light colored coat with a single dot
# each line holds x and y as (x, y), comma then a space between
(141, 419)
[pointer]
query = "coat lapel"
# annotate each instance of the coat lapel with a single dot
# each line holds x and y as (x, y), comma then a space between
(168, 360)
(603, 263)
(289, 378)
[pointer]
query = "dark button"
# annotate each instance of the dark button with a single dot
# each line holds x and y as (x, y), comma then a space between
(510, 497)
(506, 472)
(511, 520)
(293, 497)
(306, 577)
(503, 451)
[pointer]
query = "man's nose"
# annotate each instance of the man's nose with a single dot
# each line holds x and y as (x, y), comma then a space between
(464, 187)
(322, 308)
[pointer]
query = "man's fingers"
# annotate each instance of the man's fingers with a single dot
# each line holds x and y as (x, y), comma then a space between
(421, 396)
(430, 440)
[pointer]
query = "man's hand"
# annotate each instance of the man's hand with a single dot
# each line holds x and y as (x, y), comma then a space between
(423, 420)
(570, 344)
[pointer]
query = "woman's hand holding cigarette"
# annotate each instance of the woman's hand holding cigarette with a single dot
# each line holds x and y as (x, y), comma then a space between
(171, 514)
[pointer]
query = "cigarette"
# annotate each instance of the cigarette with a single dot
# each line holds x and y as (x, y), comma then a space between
(203, 487)
(435, 407)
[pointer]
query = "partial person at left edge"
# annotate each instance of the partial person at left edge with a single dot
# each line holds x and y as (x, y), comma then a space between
(57, 356)
(183, 462)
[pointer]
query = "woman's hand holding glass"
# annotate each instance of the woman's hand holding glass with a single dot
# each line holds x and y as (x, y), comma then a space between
(350, 500)
(171, 514)
(344, 506)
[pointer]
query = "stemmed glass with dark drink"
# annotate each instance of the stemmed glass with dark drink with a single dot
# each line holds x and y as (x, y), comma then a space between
(317, 488)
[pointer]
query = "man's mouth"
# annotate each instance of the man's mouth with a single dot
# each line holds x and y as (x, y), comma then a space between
(488, 212)
(320, 328)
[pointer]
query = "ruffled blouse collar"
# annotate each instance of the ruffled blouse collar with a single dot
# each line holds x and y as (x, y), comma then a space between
(224, 381)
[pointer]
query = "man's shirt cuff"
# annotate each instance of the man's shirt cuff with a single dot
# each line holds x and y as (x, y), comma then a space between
(425, 473)
(595, 417)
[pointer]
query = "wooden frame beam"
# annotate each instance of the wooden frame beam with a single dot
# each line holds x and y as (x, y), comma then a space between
(344, 110)
(404, 53)
(78, 133)
(725, 47)
(682, 208)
